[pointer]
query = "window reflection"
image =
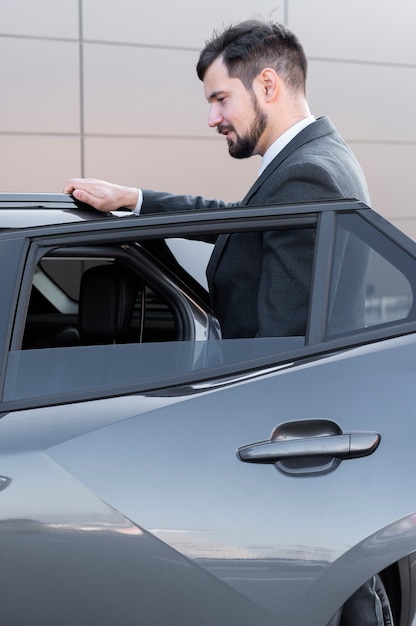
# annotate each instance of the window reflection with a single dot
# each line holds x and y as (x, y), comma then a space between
(371, 279)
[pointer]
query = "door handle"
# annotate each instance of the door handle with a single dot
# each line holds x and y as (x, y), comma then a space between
(345, 446)
(309, 447)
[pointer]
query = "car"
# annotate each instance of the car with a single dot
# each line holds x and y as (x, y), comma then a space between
(152, 472)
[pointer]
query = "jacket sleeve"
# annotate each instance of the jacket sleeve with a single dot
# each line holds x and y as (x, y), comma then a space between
(158, 201)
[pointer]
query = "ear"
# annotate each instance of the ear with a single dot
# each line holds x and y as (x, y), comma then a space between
(269, 83)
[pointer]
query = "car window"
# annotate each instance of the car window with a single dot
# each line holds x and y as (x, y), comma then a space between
(102, 318)
(389, 294)
(98, 370)
(372, 279)
(193, 256)
(90, 301)
(96, 321)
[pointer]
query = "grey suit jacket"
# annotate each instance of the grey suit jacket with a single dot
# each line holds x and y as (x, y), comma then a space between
(259, 282)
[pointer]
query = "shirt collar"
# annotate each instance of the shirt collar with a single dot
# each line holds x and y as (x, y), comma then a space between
(282, 141)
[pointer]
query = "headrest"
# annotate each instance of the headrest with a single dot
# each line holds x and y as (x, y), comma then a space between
(106, 303)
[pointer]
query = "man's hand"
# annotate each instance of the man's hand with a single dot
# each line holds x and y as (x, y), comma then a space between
(102, 195)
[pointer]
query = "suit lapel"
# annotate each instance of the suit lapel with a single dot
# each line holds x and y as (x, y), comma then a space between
(319, 128)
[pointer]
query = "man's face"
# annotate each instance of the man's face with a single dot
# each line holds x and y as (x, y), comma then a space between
(234, 111)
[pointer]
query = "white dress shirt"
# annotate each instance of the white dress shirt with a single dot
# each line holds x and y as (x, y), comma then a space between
(282, 141)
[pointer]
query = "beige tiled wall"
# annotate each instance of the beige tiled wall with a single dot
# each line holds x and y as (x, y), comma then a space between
(108, 88)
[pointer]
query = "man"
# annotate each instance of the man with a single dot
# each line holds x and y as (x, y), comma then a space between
(254, 78)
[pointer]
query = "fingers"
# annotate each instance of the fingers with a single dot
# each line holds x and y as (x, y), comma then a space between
(96, 193)
(87, 198)
(102, 195)
(81, 183)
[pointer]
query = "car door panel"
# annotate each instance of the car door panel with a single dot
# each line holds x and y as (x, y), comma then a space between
(115, 572)
(138, 507)
(274, 538)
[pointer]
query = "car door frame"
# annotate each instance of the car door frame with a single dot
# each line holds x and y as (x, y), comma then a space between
(33, 241)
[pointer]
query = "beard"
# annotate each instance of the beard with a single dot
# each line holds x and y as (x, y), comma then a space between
(245, 145)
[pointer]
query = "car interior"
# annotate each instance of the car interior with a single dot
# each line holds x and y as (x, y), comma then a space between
(81, 301)
(99, 295)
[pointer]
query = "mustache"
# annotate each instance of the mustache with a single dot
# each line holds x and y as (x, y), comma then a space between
(222, 128)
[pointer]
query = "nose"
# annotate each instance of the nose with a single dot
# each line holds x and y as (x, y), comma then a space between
(214, 118)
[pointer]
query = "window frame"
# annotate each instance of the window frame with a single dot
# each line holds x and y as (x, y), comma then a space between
(203, 223)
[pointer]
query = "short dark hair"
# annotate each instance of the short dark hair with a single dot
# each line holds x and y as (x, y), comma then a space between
(247, 48)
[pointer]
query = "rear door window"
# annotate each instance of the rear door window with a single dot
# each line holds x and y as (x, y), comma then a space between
(372, 279)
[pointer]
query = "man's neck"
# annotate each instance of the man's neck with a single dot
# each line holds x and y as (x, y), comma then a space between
(281, 142)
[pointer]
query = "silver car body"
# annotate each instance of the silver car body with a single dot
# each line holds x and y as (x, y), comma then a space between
(205, 482)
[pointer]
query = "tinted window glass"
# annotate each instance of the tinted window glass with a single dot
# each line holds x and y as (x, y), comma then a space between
(371, 279)
(113, 306)
(95, 370)
(70, 347)
(389, 294)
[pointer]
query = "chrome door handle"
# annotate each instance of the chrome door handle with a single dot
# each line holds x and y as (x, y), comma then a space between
(342, 446)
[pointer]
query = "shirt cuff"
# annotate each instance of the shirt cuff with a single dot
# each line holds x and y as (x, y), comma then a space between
(138, 206)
